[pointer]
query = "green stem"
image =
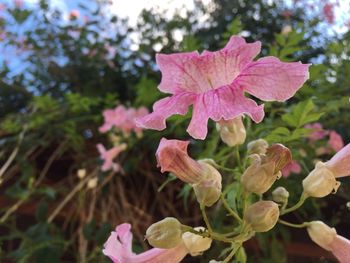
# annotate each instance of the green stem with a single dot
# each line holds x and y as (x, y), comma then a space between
(233, 252)
(230, 210)
(301, 201)
(292, 225)
(238, 157)
(205, 218)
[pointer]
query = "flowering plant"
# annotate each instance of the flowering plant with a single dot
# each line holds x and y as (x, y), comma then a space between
(215, 83)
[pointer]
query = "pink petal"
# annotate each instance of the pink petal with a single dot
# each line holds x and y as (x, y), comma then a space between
(340, 163)
(199, 73)
(164, 108)
(340, 248)
(292, 167)
(270, 79)
(318, 131)
(224, 103)
(335, 141)
(101, 149)
(119, 249)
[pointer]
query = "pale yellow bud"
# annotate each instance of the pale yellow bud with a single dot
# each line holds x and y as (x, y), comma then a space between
(321, 234)
(166, 233)
(280, 195)
(232, 132)
(196, 244)
(259, 177)
(258, 146)
(81, 173)
(208, 190)
(92, 183)
(320, 182)
(262, 216)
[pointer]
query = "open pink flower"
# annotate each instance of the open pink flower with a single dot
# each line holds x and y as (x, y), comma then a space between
(122, 119)
(215, 83)
(108, 155)
(335, 141)
(119, 249)
(292, 167)
(318, 132)
(340, 163)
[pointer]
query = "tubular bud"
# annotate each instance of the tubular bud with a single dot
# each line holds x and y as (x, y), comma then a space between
(172, 157)
(208, 190)
(232, 132)
(320, 182)
(259, 176)
(196, 244)
(258, 146)
(262, 216)
(166, 233)
(321, 234)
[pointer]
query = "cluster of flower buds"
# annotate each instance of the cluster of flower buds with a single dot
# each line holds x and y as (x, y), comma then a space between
(172, 157)
(265, 168)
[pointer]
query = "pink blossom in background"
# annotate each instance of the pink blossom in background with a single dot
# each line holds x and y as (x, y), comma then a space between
(215, 83)
(287, 14)
(18, 3)
(108, 155)
(340, 247)
(318, 132)
(335, 141)
(292, 167)
(119, 249)
(123, 119)
(340, 162)
(74, 14)
(328, 11)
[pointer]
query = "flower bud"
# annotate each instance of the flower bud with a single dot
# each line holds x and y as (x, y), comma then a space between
(232, 132)
(262, 216)
(92, 183)
(166, 233)
(81, 173)
(259, 176)
(258, 146)
(286, 30)
(172, 157)
(320, 182)
(208, 190)
(321, 234)
(280, 195)
(280, 155)
(196, 244)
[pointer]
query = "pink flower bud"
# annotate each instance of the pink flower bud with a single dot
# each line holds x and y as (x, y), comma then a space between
(280, 155)
(172, 157)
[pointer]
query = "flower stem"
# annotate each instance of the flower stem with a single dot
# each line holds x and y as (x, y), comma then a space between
(292, 225)
(233, 252)
(205, 218)
(238, 158)
(301, 201)
(230, 210)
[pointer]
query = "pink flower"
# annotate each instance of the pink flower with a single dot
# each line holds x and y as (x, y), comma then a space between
(340, 163)
(329, 12)
(172, 157)
(318, 132)
(215, 83)
(123, 119)
(119, 249)
(18, 3)
(74, 14)
(340, 248)
(292, 167)
(108, 155)
(335, 141)
(327, 238)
